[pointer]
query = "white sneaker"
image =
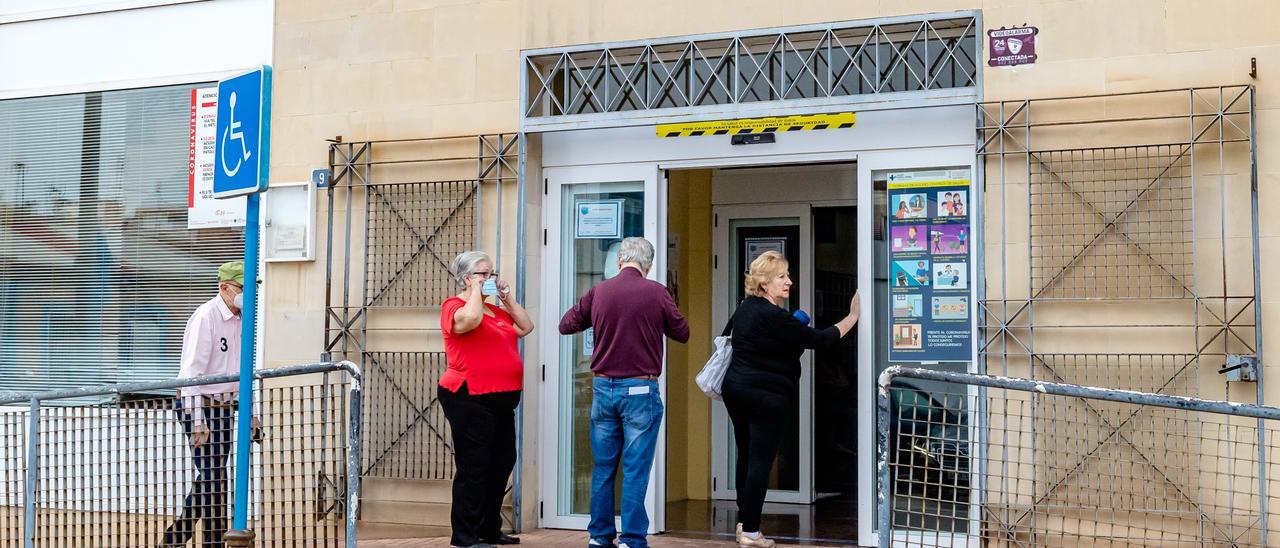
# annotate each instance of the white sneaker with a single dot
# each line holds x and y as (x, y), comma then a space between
(757, 542)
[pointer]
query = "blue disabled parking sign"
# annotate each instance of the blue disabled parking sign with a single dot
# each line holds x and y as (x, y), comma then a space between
(240, 168)
(244, 114)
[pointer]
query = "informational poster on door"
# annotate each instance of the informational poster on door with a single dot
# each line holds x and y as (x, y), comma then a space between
(759, 246)
(929, 264)
(598, 220)
(203, 210)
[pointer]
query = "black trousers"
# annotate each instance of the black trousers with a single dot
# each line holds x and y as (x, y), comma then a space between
(206, 502)
(484, 446)
(759, 416)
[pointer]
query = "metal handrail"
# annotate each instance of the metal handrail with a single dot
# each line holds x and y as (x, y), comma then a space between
(10, 397)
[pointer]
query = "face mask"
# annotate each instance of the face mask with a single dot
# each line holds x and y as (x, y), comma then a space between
(490, 287)
(238, 301)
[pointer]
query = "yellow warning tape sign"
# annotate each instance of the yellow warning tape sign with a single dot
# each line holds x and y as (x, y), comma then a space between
(770, 124)
(929, 184)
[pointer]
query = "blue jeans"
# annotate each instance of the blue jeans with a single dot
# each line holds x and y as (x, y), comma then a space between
(625, 415)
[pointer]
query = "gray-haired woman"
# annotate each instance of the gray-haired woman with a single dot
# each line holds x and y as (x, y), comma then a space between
(479, 392)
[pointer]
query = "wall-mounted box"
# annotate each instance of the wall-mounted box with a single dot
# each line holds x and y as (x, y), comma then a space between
(290, 225)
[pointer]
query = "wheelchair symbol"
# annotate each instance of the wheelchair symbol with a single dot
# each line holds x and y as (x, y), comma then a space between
(233, 133)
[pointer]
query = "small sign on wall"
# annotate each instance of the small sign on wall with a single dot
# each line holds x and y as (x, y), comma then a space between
(1011, 47)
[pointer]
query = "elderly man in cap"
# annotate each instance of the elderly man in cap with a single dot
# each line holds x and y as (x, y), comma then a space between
(210, 346)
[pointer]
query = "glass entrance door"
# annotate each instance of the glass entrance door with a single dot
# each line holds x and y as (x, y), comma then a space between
(890, 243)
(589, 212)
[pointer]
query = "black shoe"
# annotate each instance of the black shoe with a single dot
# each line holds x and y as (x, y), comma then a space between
(502, 539)
(476, 545)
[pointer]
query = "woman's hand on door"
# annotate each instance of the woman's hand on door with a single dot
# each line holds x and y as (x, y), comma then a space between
(846, 324)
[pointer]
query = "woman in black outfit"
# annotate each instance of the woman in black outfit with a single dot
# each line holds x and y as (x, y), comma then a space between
(760, 384)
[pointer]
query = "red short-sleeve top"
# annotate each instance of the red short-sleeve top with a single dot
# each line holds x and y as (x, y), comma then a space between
(487, 358)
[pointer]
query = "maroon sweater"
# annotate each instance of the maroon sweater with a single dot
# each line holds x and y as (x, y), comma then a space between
(629, 315)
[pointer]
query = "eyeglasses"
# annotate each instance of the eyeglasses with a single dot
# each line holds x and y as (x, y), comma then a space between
(486, 275)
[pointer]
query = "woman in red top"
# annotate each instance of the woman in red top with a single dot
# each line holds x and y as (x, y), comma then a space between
(479, 392)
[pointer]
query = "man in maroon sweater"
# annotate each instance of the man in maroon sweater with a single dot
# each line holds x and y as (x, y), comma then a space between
(629, 316)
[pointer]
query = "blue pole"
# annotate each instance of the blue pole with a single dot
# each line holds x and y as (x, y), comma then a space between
(248, 315)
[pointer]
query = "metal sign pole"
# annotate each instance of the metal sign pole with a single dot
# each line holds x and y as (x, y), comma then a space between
(248, 336)
(243, 140)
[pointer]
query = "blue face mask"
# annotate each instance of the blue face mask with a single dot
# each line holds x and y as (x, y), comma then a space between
(490, 287)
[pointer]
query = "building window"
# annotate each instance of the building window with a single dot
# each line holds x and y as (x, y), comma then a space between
(93, 225)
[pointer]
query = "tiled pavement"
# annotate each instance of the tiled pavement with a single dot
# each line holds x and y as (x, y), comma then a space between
(551, 538)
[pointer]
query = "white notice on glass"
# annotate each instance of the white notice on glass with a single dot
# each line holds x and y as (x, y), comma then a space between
(598, 220)
(758, 246)
(589, 342)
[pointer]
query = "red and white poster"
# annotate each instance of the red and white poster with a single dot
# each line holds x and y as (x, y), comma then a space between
(203, 210)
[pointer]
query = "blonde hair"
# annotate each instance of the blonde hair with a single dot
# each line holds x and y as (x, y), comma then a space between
(768, 266)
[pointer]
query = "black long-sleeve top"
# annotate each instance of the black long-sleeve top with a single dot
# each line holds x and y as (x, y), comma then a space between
(768, 342)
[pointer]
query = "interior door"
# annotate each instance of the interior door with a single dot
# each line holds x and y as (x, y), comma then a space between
(741, 234)
(587, 212)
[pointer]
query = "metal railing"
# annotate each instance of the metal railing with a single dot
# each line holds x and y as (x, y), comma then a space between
(115, 466)
(967, 460)
(810, 64)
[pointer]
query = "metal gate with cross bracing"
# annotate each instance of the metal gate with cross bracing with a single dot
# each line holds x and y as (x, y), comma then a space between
(398, 212)
(1121, 241)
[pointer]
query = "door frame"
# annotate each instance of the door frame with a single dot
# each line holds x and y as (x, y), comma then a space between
(904, 159)
(867, 160)
(722, 239)
(556, 179)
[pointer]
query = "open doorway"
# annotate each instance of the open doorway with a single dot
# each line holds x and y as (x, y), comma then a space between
(718, 221)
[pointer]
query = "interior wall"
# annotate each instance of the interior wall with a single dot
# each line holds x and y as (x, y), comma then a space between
(782, 184)
(688, 409)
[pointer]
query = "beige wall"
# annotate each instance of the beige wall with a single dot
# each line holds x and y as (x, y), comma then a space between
(424, 68)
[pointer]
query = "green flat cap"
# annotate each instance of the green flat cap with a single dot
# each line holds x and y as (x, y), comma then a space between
(231, 272)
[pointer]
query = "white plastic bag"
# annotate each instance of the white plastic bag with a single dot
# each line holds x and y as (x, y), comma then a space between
(712, 375)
